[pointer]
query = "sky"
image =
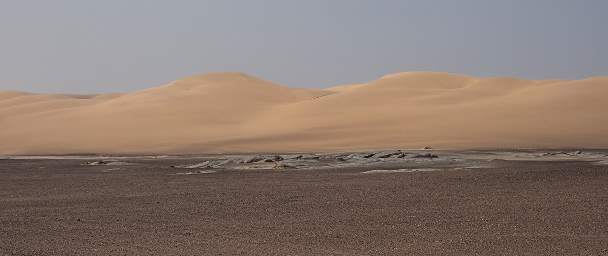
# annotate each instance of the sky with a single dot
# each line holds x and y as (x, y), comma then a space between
(77, 46)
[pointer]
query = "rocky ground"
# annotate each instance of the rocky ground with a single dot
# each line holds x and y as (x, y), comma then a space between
(378, 159)
(420, 202)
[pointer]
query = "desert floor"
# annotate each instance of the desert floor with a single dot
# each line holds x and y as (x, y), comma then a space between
(144, 206)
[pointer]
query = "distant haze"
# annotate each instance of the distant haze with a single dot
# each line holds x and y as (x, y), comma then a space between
(107, 46)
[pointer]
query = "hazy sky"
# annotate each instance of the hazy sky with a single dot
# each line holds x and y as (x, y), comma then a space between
(119, 45)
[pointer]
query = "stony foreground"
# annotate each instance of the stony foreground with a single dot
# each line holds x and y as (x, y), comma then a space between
(336, 205)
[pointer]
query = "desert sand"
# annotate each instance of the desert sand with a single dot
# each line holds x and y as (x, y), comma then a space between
(235, 112)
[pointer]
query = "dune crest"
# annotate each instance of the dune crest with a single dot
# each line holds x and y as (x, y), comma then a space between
(236, 112)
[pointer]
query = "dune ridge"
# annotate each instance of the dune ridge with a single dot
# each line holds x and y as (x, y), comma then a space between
(236, 112)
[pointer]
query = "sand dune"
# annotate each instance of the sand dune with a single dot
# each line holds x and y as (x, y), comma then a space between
(234, 112)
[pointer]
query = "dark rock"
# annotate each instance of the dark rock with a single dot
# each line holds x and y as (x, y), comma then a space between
(266, 159)
(310, 157)
(388, 154)
(361, 155)
(292, 157)
(401, 155)
(111, 162)
(425, 155)
(302, 157)
(100, 162)
(368, 155)
(283, 166)
(271, 159)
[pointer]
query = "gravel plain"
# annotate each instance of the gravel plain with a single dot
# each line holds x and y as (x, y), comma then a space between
(148, 206)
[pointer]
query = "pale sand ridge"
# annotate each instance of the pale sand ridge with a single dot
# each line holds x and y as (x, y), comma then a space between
(235, 112)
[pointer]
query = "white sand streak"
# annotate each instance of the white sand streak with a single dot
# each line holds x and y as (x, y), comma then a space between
(402, 170)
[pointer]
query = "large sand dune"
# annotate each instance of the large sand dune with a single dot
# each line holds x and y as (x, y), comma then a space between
(233, 112)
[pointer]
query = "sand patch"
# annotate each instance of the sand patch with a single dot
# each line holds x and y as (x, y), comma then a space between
(603, 162)
(401, 170)
(478, 167)
(194, 173)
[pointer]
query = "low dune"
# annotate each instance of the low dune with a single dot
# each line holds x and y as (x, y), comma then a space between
(234, 112)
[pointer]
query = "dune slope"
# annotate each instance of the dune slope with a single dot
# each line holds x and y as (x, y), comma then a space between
(234, 112)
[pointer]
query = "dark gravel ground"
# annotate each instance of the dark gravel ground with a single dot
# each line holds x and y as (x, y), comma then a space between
(60, 207)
